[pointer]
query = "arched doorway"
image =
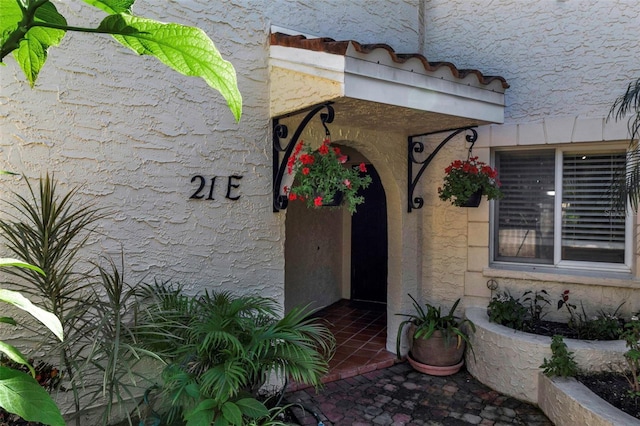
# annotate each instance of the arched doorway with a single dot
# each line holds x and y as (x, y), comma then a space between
(369, 246)
(331, 255)
(338, 262)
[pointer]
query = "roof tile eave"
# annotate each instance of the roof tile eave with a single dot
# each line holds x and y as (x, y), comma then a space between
(329, 45)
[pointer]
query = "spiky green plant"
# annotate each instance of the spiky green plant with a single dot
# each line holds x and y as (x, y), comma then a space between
(98, 354)
(111, 351)
(428, 321)
(626, 187)
(47, 230)
(222, 347)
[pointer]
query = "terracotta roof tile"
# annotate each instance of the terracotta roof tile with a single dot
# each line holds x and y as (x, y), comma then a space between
(328, 45)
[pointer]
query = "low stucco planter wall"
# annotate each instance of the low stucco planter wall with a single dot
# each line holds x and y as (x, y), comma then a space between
(568, 402)
(508, 360)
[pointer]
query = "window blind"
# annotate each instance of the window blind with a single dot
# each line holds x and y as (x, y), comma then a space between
(590, 229)
(525, 213)
(527, 184)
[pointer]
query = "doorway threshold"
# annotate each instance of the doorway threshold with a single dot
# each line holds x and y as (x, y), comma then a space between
(361, 336)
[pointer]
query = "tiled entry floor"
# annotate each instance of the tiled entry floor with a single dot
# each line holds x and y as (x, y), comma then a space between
(361, 336)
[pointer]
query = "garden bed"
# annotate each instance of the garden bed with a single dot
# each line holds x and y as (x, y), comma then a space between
(613, 388)
(508, 360)
(567, 402)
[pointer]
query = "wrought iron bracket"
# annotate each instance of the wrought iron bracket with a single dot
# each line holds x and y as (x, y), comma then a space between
(417, 147)
(281, 153)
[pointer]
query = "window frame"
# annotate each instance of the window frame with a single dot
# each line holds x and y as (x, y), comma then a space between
(558, 263)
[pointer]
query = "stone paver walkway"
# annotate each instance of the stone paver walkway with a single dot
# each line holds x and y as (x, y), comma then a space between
(399, 396)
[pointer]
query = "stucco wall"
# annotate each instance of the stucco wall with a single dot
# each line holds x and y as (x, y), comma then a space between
(132, 134)
(566, 62)
(560, 57)
(314, 255)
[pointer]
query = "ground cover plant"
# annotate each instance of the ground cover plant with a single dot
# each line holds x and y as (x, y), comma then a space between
(220, 350)
(622, 390)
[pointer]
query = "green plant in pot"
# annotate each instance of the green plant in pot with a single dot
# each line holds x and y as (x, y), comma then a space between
(437, 341)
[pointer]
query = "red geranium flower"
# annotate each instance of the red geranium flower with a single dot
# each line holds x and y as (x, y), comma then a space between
(362, 167)
(322, 175)
(465, 178)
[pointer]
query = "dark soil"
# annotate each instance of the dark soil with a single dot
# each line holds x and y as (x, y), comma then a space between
(551, 328)
(613, 388)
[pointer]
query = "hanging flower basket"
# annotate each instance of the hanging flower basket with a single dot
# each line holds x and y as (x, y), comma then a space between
(466, 181)
(322, 177)
(473, 200)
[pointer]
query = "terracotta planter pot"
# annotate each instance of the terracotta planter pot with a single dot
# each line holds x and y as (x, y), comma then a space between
(437, 351)
(434, 370)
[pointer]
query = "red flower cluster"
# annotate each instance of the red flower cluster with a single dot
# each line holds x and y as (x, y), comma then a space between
(472, 166)
(464, 178)
(322, 175)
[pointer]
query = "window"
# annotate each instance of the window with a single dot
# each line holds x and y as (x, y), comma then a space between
(556, 209)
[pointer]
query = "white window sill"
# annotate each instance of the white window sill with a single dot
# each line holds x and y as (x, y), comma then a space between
(547, 273)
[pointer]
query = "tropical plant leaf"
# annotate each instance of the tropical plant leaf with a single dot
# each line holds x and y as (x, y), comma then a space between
(232, 413)
(202, 415)
(16, 356)
(251, 407)
(22, 395)
(8, 320)
(11, 16)
(112, 6)
(188, 50)
(32, 51)
(47, 318)
(20, 264)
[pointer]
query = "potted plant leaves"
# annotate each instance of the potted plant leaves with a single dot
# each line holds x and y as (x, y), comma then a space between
(437, 341)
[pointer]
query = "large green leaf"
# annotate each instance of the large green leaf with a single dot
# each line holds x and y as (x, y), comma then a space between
(32, 51)
(112, 6)
(16, 356)
(22, 395)
(232, 413)
(47, 318)
(202, 415)
(253, 408)
(11, 16)
(187, 50)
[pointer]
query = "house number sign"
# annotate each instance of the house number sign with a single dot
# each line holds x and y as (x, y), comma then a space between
(205, 187)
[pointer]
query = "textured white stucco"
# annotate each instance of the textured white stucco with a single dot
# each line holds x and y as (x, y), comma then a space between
(560, 57)
(566, 62)
(131, 134)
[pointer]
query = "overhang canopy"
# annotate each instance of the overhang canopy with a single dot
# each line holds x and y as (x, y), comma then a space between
(372, 86)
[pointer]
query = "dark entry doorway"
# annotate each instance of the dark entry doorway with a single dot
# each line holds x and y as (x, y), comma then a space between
(369, 245)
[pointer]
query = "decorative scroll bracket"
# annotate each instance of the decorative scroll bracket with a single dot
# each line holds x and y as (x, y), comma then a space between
(280, 132)
(417, 147)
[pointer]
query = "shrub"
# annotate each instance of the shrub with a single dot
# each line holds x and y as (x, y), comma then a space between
(561, 363)
(504, 309)
(221, 348)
